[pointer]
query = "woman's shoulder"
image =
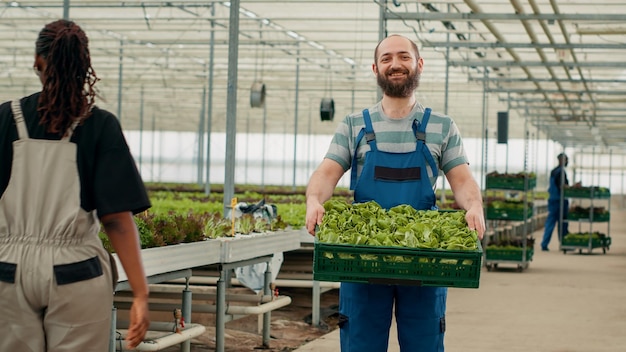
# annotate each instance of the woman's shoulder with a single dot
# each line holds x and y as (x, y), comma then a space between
(5, 107)
(102, 118)
(28, 105)
(100, 127)
(27, 102)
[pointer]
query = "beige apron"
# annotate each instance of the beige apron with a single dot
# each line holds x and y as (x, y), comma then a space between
(55, 276)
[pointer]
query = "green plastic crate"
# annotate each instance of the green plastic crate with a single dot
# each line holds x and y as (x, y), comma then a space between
(587, 192)
(596, 242)
(513, 183)
(508, 214)
(508, 254)
(604, 217)
(397, 265)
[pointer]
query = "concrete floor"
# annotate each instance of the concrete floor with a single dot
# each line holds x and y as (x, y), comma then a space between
(561, 303)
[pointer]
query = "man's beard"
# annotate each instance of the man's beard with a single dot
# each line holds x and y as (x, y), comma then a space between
(398, 90)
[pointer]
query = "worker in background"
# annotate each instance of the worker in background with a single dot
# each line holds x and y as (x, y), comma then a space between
(65, 168)
(395, 150)
(558, 181)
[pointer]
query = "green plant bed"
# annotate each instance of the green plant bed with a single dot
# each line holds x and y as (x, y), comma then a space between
(218, 189)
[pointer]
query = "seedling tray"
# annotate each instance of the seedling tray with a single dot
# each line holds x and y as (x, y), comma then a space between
(513, 183)
(397, 265)
(508, 214)
(596, 242)
(586, 192)
(604, 217)
(508, 254)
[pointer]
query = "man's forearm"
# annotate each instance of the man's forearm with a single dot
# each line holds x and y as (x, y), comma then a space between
(468, 195)
(319, 188)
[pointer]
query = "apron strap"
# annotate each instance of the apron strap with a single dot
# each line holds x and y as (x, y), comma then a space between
(22, 131)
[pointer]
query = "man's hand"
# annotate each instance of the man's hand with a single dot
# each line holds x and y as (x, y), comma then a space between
(320, 188)
(314, 214)
(475, 218)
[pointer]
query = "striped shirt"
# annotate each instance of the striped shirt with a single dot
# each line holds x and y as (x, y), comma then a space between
(396, 136)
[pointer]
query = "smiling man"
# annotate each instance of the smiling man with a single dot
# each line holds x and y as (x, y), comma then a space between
(395, 150)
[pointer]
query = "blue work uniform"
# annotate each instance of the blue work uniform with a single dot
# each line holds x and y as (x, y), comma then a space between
(554, 207)
(365, 310)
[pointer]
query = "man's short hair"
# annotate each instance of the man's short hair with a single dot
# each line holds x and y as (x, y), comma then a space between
(413, 45)
(561, 156)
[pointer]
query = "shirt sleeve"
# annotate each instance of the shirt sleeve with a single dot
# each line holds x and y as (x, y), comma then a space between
(117, 185)
(453, 152)
(339, 148)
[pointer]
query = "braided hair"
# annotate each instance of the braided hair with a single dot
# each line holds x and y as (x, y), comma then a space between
(68, 87)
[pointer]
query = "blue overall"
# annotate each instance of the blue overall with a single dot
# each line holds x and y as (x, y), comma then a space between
(554, 208)
(365, 309)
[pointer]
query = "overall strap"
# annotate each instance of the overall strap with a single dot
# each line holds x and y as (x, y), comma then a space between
(369, 130)
(420, 134)
(70, 131)
(22, 131)
(72, 128)
(420, 128)
(370, 137)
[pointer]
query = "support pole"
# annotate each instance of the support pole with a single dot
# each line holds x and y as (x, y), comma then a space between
(267, 317)
(231, 105)
(382, 33)
(186, 346)
(220, 317)
(315, 316)
(207, 187)
(295, 128)
(113, 330)
(201, 128)
(120, 82)
(66, 9)
(141, 105)
(445, 106)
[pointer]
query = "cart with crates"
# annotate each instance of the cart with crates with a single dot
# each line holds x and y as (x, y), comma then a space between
(586, 209)
(509, 200)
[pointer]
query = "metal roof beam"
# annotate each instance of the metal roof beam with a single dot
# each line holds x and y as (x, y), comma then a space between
(543, 80)
(496, 45)
(604, 118)
(495, 63)
(552, 91)
(466, 16)
(539, 100)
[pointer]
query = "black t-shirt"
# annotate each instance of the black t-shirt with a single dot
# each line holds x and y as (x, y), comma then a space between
(109, 179)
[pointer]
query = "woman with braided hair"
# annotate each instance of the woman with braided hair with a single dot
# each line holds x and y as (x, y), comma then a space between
(65, 168)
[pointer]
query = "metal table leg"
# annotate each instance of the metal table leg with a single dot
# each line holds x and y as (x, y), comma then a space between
(220, 318)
